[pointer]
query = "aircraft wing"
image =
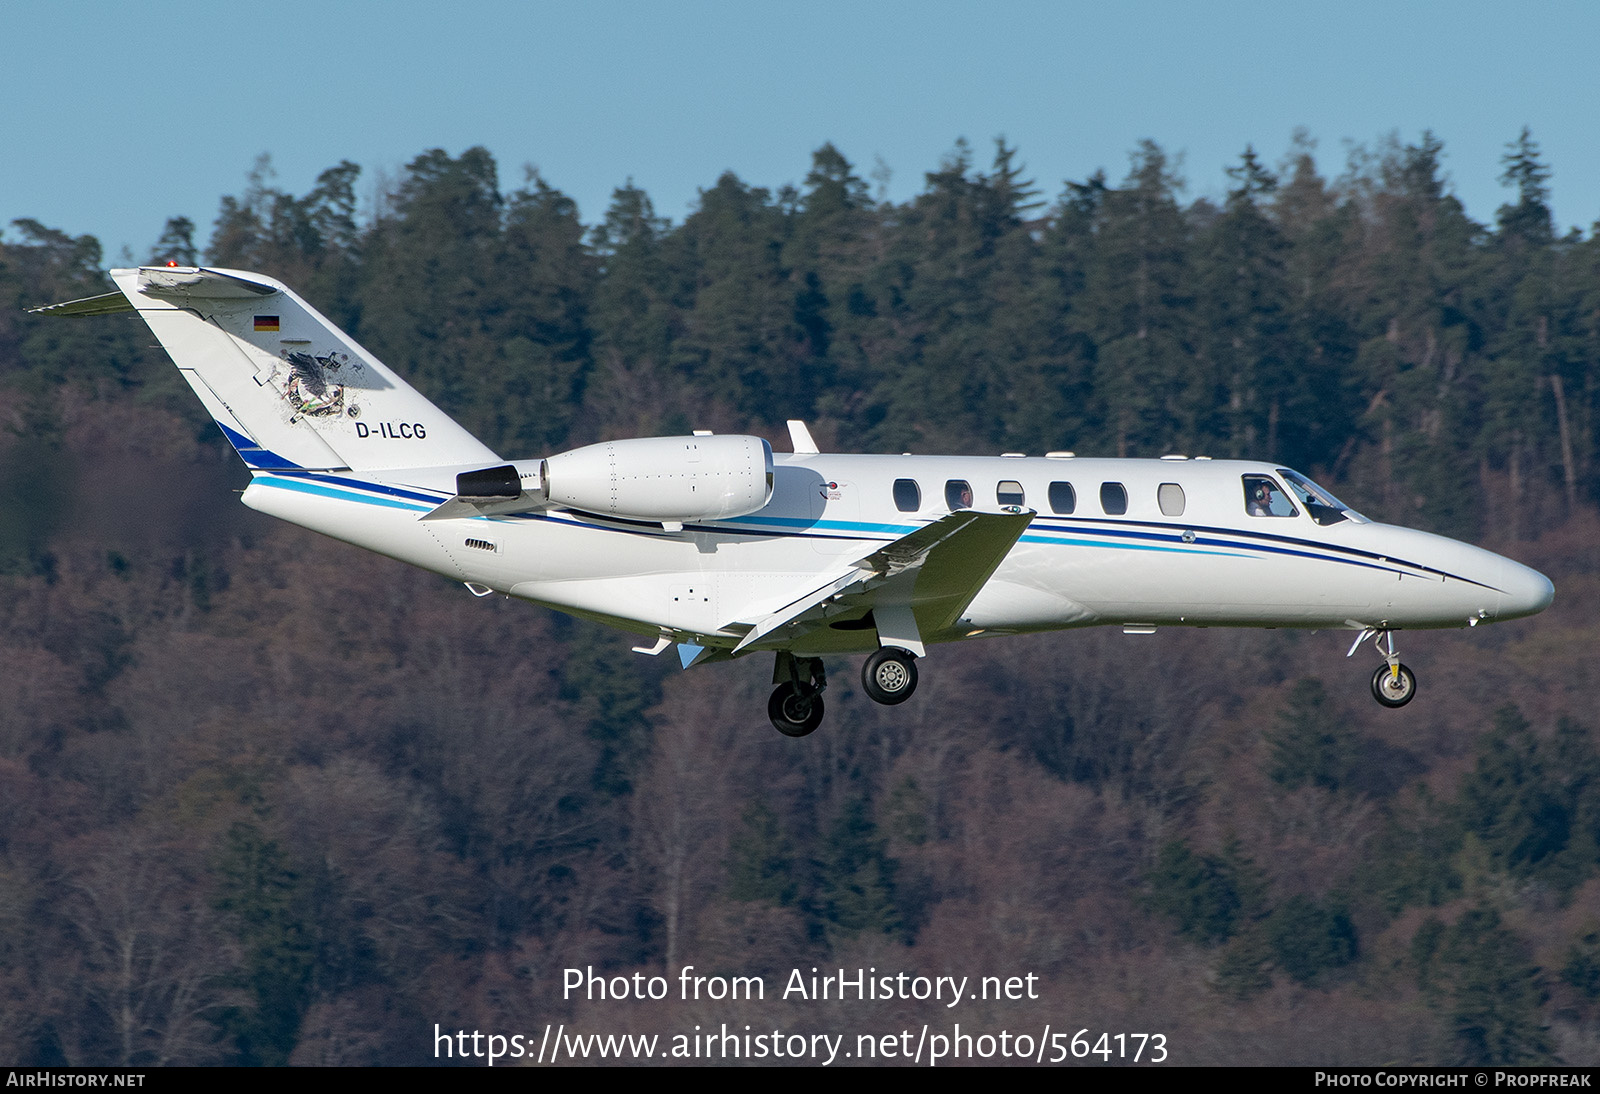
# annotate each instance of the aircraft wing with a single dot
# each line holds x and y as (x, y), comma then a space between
(916, 585)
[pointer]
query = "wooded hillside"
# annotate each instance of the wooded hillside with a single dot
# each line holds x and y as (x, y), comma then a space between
(265, 798)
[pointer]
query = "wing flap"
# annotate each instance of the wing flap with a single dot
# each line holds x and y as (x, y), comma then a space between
(792, 612)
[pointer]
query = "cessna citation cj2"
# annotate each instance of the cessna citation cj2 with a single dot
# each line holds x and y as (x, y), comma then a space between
(720, 546)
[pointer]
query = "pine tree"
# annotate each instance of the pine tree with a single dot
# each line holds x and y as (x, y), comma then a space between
(857, 876)
(964, 361)
(430, 292)
(1415, 258)
(833, 257)
(262, 897)
(634, 319)
(1138, 310)
(1309, 939)
(1529, 219)
(1312, 743)
(740, 340)
(1320, 421)
(547, 278)
(1062, 409)
(176, 244)
(1204, 894)
(1509, 802)
(1490, 994)
(1243, 319)
(761, 860)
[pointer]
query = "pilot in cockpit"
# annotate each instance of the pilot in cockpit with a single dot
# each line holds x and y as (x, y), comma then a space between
(1263, 499)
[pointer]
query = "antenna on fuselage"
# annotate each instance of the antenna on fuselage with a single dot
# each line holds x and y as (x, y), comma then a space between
(800, 437)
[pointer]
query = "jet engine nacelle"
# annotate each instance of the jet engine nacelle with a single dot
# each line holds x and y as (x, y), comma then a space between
(668, 479)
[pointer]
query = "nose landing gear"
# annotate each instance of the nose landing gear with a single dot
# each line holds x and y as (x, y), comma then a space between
(1393, 684)
(1393, 687)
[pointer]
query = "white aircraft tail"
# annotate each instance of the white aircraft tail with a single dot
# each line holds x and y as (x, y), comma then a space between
(288, 387)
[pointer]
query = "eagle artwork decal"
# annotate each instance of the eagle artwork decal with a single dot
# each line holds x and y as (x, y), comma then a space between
(313, 388)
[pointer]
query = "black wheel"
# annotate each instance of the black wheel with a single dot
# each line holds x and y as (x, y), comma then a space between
(889, 676)
(1392, 691)
(795, 709)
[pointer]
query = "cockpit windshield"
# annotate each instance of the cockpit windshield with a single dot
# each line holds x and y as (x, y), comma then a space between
(1323, 507)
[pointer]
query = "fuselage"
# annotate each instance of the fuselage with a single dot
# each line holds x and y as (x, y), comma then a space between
(1135, 542)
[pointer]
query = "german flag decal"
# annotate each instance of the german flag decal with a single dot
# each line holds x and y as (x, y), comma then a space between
(266, 323)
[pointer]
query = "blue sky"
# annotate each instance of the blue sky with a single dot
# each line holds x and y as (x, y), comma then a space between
(115, 116)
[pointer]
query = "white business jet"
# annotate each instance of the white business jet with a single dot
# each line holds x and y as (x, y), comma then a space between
(719, 546)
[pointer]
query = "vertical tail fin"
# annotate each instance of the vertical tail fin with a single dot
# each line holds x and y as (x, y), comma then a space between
(288, 387)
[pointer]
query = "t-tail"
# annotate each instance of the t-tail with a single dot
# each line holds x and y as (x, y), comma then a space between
(287, 387)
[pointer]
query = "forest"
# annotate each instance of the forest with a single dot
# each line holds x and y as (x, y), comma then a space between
(267, 799)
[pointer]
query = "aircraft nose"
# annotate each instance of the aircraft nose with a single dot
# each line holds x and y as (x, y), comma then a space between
(1526, 591)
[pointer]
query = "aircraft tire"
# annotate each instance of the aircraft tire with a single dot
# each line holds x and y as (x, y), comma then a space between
(889, 676)
(1391, 692)
(795, 710)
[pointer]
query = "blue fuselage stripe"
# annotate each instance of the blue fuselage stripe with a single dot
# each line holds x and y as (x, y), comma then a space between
(302, 486)
(1056, 531)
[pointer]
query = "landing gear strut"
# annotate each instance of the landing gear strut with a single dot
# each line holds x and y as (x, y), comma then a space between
(1393, 684)
(796, 704)
(889, 676)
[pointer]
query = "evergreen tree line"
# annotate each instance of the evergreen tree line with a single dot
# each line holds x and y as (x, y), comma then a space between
(1364, 328)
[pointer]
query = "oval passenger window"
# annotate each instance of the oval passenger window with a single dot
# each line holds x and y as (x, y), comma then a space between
(1169, 495)
(1063, 499)
(1113, 498)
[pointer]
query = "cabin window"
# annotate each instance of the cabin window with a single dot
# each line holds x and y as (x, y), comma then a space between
(1009, 493)
(1063, 499)
(1113, 498)
(907, 495)
(958, 494)
(1169, 495)
(1265, 498)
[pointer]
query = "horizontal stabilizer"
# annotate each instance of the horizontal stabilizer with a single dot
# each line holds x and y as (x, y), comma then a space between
(493, 492)
(459, 506)
(105, 304)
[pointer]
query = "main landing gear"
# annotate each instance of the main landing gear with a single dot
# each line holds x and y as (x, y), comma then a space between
(1393, 684)
(796, 704)
(889, 677)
